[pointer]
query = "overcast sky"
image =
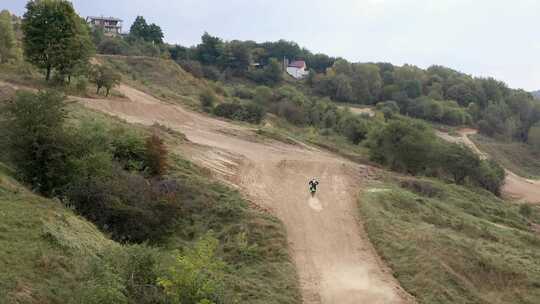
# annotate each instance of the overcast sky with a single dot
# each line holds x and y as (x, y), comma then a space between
(479, 37)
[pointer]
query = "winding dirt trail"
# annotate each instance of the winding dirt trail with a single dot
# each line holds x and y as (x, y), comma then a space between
(515, 186)
(335, 261)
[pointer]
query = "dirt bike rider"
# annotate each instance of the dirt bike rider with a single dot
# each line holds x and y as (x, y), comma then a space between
(313, 186)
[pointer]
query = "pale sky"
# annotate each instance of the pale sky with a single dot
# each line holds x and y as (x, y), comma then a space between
(479, 37)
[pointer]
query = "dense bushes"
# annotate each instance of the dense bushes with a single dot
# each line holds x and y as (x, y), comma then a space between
(155, 156)
(197, 276)
(208, 100)
(446, 112)
(403, 145)
(125, 204)
(270, 75)
(100, 173)
(410, 146)
(248, 112)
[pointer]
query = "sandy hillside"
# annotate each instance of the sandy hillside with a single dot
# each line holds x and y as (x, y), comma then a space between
(336, 263)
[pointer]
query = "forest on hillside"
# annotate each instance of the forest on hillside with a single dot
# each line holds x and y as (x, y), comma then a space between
(437, 94)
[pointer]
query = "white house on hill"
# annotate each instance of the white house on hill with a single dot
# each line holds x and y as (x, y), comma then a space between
(297, 69)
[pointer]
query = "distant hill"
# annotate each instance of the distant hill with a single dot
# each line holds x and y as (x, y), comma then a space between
(536, 94)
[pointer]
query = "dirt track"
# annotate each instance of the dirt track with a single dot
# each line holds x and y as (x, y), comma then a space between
(515, 186)
(336, 263)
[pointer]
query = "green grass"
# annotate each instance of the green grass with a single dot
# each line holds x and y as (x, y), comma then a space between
(457, 246)
(44, 248)
(516, 157)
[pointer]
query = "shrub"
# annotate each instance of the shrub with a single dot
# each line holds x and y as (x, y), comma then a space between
(137, 267)
(126, 205)
(459, 161)
(104, 287)
(354, 128)
(271, 75)
(292, 112)
(227, 110)
(253, 113)
(525, 210)
(193, 67)
(128, 148)
(211, 72)
(197, 276)
(388, 108)
(249, 112)
(208, 99)
(113, 46)
(104, 77)
(490, 176)
(262, 95)
(155, 156)
(243, 92)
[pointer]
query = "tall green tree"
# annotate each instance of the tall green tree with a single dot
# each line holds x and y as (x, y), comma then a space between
(7, 38)
(211, 50)
(237, 57)
(273, 72)
(139, 28)
(55, 37)
(144, 31)
(37, 141)
(154, 34)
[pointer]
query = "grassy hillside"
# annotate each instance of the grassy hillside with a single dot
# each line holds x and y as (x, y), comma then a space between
(162, 78)
(45, 250)
(448, 244)
(517, 157)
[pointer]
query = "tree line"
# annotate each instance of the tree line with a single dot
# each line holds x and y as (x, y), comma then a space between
(437, 94)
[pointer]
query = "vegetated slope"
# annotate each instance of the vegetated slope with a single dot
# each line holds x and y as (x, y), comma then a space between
(516, 187)
(252, 243)
(536, 94)
(335, 261)
(516, 157)
(46, 251)
(448, 244)
(161, 78)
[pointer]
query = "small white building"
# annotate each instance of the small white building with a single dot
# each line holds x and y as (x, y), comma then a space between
(297, 69)
(111, 26)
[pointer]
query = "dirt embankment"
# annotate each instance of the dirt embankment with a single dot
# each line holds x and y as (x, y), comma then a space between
(515, 186)
(336, 263)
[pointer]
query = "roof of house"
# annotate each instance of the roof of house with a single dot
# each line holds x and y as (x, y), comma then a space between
(104, 18)
(297, 64)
